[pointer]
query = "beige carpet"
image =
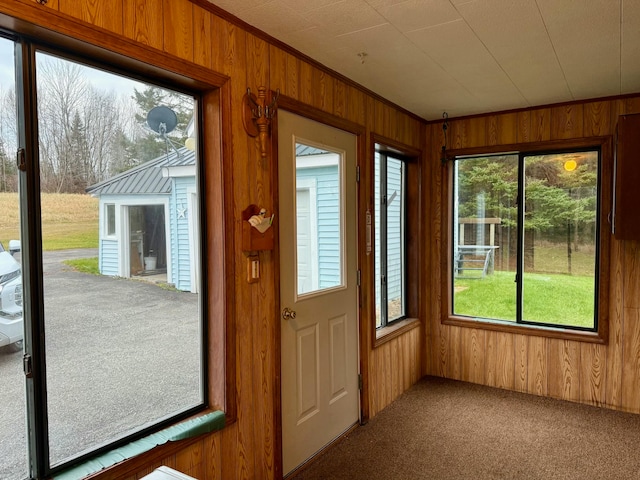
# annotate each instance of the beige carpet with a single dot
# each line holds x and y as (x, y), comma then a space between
(444, 429)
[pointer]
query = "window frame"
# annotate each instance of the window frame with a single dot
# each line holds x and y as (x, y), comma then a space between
(414, 229)
(211, 92)
(109, 219)
(383, 210)
(601, 333)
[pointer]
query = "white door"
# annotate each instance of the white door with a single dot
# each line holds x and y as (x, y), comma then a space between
(319, 327)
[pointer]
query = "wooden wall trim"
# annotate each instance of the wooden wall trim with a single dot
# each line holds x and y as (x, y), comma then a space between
(611, 98)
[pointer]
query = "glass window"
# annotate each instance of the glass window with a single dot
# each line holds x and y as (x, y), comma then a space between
(319, 219)
(525, 238)
(111, 219)
(389, 217)
(113, 319)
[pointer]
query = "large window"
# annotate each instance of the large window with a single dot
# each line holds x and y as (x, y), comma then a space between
(390, 244)
(524, 235)
(112, 317)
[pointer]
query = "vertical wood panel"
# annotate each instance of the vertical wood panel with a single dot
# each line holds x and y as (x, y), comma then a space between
(178, 28)
(631, 361)
(278, 70)
(631, 285)
(107, 15)
(537, 361)
(190, 460)
(567, 122)
(616, 309)
(500, 360)
(592, 374)
(306, 83)
(502, 129)
(213, 457)
(597, 119)
(564, 369)
(454, 355)
(143, 22)
(521, 348)
(472, 352)
(540, 124)
(340, 99)
(202, 54)
(524, 126)
(293, 77)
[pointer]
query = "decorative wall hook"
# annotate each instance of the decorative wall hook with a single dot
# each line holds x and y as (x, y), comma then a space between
(445, 125)
(257, 115)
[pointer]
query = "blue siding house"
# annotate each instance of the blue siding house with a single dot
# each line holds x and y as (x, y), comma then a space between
(148, 221)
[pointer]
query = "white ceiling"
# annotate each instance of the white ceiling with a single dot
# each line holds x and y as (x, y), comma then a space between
(463, 56)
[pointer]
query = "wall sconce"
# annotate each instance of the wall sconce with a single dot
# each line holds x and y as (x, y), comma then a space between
(257, 115)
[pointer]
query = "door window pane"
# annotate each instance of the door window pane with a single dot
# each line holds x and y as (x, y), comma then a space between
(123, 329)
(319, 214)
(13, 434)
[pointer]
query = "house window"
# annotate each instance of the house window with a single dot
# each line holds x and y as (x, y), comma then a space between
(390, 250)
(110, 358)
(110, 213)
(525, 238)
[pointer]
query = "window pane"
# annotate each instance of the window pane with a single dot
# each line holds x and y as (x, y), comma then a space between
(123, 330)
(485, 236)
(111, 219)
(13, 433)
(560, 238)
(395, 239)
(319, 205)
(377, 202)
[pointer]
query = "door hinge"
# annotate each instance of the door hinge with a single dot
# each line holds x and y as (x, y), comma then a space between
(359, 381)
(27, 365)
(359, 277)
(358, 173)
(20, 161)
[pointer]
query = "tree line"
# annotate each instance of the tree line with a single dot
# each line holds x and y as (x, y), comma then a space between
(86, 134)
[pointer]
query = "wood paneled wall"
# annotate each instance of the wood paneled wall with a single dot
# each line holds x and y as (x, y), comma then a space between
(192, 32)
(603, 375)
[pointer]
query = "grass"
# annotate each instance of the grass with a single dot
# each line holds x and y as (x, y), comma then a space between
(68, 220)
(566, 300)
(84, 265)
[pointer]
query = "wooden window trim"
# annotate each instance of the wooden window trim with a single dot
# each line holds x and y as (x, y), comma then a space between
(104, 48)
(601, 336)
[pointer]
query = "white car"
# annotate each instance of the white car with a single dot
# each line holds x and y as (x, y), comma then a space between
(11, 324)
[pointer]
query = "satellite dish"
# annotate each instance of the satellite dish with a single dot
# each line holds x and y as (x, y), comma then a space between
(162, 119)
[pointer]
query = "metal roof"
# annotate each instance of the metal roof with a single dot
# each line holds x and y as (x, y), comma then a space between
(146, 178)
(306, 150)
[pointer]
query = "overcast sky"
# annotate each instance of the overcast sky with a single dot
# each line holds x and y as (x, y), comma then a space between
(107, 82)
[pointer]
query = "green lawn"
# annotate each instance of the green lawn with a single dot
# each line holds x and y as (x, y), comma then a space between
(548, 298)
(84, 265)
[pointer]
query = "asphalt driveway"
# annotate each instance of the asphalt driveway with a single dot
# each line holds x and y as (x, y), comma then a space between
(120, 353)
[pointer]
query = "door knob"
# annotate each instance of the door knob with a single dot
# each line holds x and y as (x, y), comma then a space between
(288, 314)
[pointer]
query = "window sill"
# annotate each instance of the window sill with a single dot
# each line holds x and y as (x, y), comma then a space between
(532, 330)
(188, 429)
(385, 334)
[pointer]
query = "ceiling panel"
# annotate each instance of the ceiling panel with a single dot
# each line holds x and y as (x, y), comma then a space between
(586, 38)
(528, 60)
(418, 14)
(464, 56)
